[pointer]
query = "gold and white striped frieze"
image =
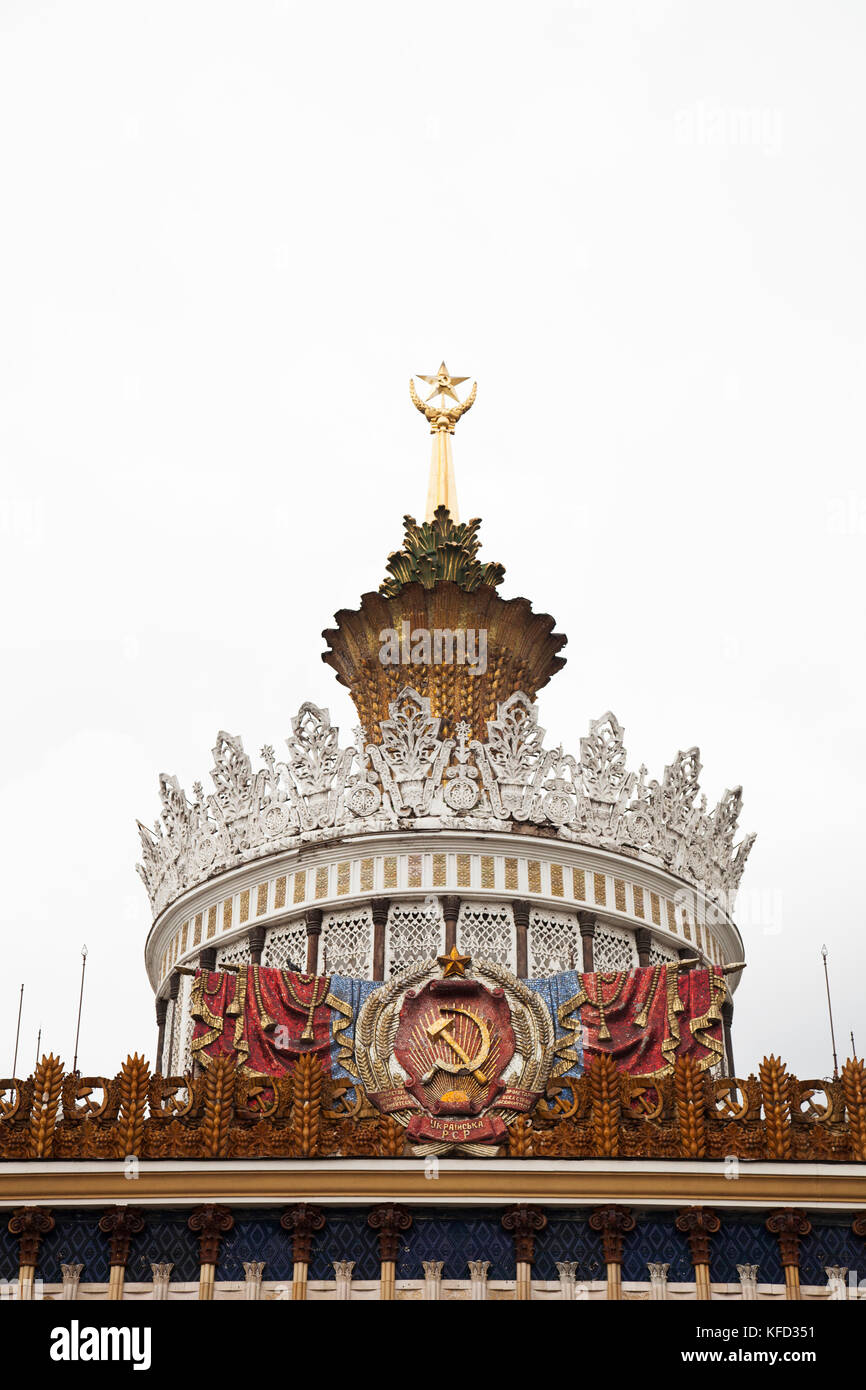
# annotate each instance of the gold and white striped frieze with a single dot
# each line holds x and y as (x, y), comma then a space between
(615, 888)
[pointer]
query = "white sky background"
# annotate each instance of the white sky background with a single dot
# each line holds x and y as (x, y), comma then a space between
(229, 234)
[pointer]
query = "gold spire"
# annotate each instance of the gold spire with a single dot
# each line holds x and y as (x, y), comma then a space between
(442, 489)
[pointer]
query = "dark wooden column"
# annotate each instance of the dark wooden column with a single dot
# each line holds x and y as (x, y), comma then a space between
(173, 993)
(643, 941)
(207, 958)
(524, 1223)
(256, 939)
(698, 1224)
(314, 931)
(29, 1224)
(612, 1223)
(379, 908)
(586, 921)
(210, 1223)
(161, 1012)
(390, 1220)
(520, 908)
(727, 1022)
(789, 1225)
(302, 1223)
(120, 1224)
(450, 911)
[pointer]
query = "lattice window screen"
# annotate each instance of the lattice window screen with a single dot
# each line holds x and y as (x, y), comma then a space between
(415, 931)
(347, 943)
(554, 942)
(660, 955)
(187, 1026)
(613, 949)
(233, 953)
(180, 1052)
(286, 947)
(486, 931)
(165, 1060)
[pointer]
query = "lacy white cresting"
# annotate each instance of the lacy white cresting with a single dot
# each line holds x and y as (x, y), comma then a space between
(438, 646)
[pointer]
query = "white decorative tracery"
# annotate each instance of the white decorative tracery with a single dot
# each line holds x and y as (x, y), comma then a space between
(347, 943)
(317, 768)
(234, 953)
(286, 947)
(613, 948)
(485, 931)
(661, 955)
(321, 791)
(187, 1027)
(553, 942)
(602, 760)
(165, 1059)
(513, 761)
(411, 756)
(414, 931)
(181, 1029)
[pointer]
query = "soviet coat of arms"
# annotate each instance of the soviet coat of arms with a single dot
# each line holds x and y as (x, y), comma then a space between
(454, 1057)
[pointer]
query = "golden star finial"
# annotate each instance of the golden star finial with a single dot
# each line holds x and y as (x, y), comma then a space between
(443, 384)
(442, 418)
(454, 963)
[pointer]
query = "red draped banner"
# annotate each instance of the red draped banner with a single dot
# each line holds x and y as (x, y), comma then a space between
(645, 1018)
(264, 1018)
(642, 1018)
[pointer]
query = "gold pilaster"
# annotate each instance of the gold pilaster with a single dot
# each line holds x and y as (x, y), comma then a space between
(387, 1280)
(613, 1270)
(206, 1278)
(524, 1280)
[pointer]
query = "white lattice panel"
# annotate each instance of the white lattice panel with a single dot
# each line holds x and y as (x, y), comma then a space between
(286, 948)
(661, 955)
(182, 1030)
(165, 1060)
(347, 944)
(486, 932)
(613, 949)
(415, 931)
(233, 953)
(554, 942)
(187, 1026)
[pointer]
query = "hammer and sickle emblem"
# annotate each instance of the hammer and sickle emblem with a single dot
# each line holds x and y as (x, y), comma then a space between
(442, 1029)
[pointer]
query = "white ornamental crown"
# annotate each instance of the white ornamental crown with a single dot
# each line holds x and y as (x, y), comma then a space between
(322, 791)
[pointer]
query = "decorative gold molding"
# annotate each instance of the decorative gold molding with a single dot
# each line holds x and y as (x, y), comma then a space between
(762, 1186)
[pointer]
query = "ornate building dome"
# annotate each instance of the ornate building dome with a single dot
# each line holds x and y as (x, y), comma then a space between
(446, 939)
(449, 819)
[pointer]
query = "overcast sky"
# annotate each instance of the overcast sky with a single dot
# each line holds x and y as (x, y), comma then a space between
(230, 233)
